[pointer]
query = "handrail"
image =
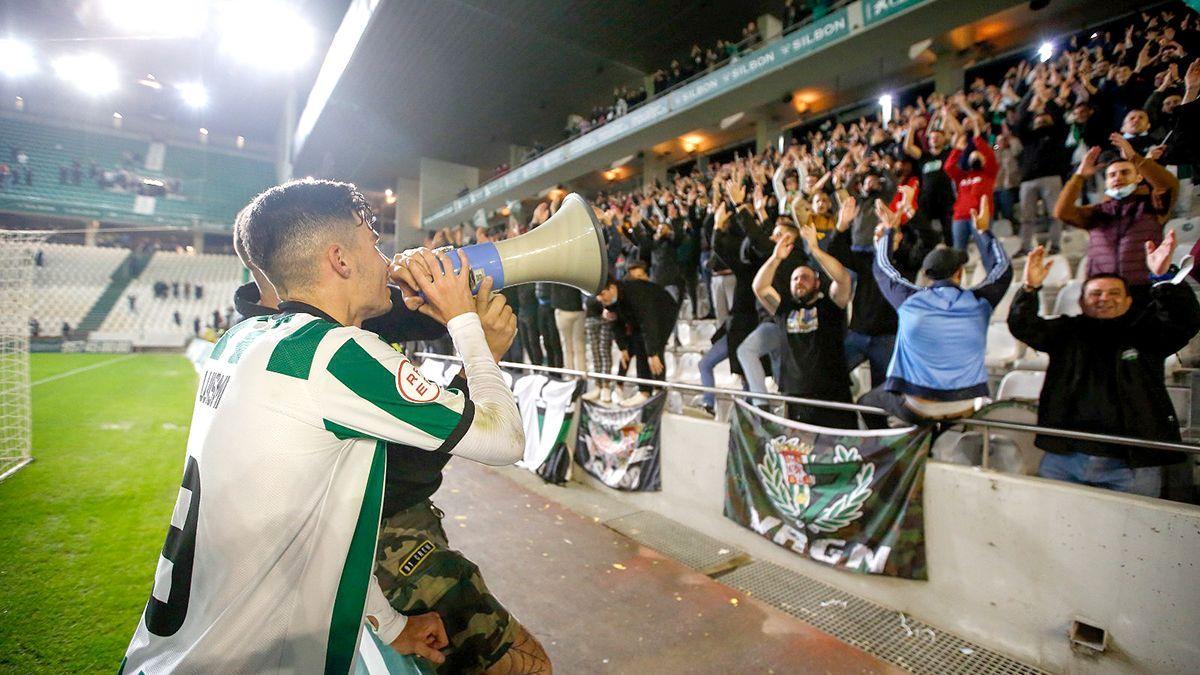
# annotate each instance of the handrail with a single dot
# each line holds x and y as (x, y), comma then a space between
(737, 393)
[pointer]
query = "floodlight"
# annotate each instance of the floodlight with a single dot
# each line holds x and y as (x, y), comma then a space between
(270, 35)
(90, 73)
(194, 94)
(1045, 52)
(157, 17)
(16, 58)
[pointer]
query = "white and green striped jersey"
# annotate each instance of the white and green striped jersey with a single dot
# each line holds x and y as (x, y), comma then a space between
(272, 540)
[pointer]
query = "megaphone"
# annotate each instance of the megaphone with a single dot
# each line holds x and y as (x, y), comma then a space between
(568, 248)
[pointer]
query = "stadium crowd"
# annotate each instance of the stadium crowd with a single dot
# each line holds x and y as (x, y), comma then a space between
(851, 246)
(698, 60)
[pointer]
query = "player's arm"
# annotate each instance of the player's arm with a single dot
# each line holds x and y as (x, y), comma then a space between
(371, 390)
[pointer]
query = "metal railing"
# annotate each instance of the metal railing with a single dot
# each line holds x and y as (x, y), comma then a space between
(737, 393)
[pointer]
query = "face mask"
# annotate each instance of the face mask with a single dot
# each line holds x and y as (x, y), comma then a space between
(1121, 192)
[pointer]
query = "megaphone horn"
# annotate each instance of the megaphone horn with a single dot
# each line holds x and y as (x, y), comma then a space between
(569, 248)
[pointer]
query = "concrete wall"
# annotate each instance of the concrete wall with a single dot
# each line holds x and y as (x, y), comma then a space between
(408, 214)
(1012, 559)
(440, 182)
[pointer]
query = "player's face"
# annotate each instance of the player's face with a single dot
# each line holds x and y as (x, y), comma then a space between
(371, 268)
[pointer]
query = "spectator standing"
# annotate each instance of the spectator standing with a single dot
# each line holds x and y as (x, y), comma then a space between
(644, 316)
(569, 321)
(600, 343)
(814, 322)
(937, 370)
(545, 317)
(1106, 372)
(1043, 161)
(1008, 177)
(1132, 215)
(872, 332)
(974, 176)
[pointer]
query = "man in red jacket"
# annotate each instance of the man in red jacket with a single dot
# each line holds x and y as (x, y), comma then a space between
(974, 176)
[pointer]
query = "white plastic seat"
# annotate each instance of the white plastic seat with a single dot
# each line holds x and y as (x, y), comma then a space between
(1081, 272)
(1067, 302)
(1059, 273)
(1002, 347)
(1000, 314)
(1022, 384)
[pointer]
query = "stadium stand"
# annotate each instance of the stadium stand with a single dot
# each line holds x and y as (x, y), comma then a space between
(150, 321)
(69, 281)
(204, 187)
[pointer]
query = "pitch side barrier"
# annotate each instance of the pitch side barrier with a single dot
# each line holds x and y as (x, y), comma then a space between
(737, 393)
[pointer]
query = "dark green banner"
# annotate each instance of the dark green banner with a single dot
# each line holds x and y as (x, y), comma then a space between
(619, 445)
(850, 500)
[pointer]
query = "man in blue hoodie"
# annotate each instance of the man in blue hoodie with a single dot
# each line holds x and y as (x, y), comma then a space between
(937, 369)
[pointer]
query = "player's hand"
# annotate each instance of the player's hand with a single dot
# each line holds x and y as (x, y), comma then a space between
(402, 276)
(656, 365)
(499, 322)
(423, 635)
(447, 293)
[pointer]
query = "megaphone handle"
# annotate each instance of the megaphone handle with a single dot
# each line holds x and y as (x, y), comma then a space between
(484, 260)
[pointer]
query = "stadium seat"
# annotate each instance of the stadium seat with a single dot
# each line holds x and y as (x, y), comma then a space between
(1032, 359)
(69, 282)
(1002, 347)
(1187, 231)
(1021, 384)
(1074, 242)
(1059, 273)
(1000, 314)
(1067, 301)
(151, 322)
(1081, 273)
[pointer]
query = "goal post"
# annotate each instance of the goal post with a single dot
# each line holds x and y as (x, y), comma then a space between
(17, 252)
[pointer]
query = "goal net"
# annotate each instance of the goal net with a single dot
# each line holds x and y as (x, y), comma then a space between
(17, 252)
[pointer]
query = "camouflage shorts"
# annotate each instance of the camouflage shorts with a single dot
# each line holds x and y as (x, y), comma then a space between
(419, 572)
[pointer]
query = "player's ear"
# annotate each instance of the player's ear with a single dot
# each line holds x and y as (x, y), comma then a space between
(338, 259)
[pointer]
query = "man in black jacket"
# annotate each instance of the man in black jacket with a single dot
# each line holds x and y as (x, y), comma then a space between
(645, 316)
(1106, 372)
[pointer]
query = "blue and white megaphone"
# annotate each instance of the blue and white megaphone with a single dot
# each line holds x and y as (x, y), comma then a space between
(568, 248)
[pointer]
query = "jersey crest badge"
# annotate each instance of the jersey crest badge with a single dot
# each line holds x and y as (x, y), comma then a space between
(413, 386)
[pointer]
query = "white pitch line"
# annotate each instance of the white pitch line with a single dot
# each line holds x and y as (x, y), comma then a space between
(76, 371)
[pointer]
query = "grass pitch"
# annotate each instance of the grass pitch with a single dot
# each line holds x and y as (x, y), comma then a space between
(82, 526)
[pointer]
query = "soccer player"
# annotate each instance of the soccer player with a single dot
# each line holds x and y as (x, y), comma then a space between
(268, 560)
(482, 634)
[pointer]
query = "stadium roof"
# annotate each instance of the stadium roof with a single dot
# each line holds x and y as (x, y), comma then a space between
(460, 80)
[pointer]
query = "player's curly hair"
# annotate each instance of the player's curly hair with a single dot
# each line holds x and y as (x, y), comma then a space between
(283, 228)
